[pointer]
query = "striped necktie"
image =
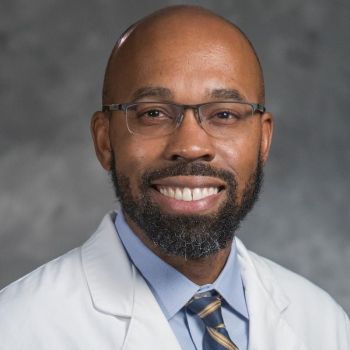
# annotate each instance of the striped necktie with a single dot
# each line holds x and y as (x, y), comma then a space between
(208, 307)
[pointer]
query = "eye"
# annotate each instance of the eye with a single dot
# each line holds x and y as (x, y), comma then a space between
(152, 113)
(224, 116)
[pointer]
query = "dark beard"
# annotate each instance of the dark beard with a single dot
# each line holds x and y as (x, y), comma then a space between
(188, 236)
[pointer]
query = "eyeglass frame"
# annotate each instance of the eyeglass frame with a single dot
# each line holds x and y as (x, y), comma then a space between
(256, 107)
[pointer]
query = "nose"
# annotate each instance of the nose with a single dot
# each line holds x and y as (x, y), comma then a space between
(189, 141)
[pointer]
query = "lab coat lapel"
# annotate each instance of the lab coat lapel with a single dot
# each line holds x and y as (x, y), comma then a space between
(117, 288)
(148, 329)
(266, 303)
(108, 270)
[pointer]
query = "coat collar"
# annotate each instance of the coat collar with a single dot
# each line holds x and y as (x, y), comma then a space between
(110, 275)
(266, 303)
(116, 288)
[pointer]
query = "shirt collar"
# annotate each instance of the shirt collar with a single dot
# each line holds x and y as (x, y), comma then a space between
(171, 288)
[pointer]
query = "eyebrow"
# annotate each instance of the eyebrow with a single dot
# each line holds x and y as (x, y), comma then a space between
(165, 93)
(151, 91)
(229, 94)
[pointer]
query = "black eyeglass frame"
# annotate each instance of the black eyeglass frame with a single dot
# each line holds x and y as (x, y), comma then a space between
(256, 107)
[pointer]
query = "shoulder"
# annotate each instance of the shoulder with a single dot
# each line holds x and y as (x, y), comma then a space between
(298, 289)
(73, 301)
(280, 281)
(57, 279)
(293, 284)
(46, 281)
(33, 301)
(311, 311)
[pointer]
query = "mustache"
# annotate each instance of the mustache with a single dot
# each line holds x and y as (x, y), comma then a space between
(188, 169)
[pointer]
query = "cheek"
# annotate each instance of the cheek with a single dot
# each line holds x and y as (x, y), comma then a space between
(241, 154)
(134, 155)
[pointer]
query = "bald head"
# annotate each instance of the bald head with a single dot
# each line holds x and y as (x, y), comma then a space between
(184, 78)
(179, 29)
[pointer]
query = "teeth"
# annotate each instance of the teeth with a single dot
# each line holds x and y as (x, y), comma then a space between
(171, 192)
(178, 194)
(196, 194)
(188, 194)
(211, 191)
(205, 192)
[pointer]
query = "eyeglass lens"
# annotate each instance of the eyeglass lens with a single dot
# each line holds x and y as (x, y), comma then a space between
(218, 119)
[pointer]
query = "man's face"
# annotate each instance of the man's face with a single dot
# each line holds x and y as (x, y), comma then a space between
(221, 175)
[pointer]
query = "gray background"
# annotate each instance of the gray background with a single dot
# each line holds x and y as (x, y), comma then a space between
(53, 191)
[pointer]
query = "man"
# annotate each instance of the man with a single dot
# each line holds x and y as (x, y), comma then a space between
(184, 134)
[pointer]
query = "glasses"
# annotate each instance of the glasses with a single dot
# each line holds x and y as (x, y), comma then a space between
(154, 119)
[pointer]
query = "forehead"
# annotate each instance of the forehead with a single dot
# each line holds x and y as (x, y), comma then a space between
(187, 56)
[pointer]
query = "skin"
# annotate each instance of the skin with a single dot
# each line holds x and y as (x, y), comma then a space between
(191, 52)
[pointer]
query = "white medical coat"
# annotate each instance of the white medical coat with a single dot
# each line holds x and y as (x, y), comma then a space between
(94, 298)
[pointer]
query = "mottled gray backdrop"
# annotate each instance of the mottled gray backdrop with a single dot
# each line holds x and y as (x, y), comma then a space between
(53, 191)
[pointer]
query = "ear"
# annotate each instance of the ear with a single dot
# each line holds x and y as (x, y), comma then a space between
(99, 128)
(267, 124)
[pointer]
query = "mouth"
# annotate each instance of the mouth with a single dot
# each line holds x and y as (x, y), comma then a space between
(187, 194)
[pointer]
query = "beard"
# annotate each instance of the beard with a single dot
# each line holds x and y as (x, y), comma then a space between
(189, 236)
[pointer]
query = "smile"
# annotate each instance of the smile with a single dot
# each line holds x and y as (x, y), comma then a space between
(188, 194)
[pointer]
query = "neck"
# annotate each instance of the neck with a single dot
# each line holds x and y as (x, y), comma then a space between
(200, 271)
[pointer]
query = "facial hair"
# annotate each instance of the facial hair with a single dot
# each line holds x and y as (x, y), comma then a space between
(189, 236)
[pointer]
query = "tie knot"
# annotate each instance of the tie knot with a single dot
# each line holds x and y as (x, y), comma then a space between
(208, 308)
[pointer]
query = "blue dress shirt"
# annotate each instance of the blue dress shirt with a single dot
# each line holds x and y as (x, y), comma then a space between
(173, 290)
